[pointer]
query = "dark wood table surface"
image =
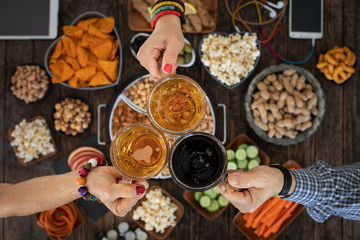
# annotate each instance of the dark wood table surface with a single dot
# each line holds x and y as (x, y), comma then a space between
(336, 141)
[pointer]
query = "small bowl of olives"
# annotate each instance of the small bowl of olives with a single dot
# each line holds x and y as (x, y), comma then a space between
(137, 41)
(186, 56)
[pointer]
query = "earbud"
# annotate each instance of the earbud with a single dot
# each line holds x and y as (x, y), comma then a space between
(278, 5)
(272, 13)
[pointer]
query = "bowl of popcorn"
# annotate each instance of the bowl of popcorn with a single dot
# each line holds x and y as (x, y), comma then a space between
(32, 141)
(230, 58)
(158, 212)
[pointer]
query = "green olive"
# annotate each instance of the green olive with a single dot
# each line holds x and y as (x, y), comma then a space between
(187, 48)
(188, 57)
(182, 52)
(181, 60)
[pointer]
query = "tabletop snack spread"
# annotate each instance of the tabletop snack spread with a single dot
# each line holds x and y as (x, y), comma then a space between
(86, 55)
(72, 116)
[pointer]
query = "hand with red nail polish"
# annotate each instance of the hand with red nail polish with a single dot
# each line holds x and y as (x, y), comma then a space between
(166, 41)
(120, 197)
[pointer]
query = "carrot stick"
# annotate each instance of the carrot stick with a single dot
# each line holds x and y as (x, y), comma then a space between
(274, 228)
(266, 208)
(261, 230)
(251, 216)
(274, 212)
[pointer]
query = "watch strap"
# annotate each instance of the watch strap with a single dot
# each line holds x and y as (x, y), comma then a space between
(287, 180)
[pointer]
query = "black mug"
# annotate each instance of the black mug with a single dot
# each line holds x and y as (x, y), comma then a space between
(198, 162)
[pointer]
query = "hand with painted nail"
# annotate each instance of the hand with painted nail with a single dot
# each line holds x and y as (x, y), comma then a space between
(248, 190)
(119, 197)
(166, 41)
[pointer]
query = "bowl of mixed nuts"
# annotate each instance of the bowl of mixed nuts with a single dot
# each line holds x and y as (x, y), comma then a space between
(72, 116)
(29, 83)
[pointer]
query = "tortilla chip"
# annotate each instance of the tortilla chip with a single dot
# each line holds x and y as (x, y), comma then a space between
(82, 56)
(73, 81)
(56, 79)
(57, 50)
(82, 83)
(103, 51)
(85, 40)
(110, 68)
(73, 31)
(114, 50)
(96, 32)
(73, 62)
(106, 25)
(99, 79)
(84, 24)
(52, 61)
(86, 73)
(67, 71)
(69, 46)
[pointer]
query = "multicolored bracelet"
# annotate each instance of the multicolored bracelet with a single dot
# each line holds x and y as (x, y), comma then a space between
(163, 7)
(81, 181)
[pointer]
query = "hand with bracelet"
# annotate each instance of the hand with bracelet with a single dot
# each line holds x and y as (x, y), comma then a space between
(165, 41)
(48, 192)
(257, 186)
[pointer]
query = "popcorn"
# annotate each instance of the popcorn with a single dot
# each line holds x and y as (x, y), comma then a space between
(32, 139)
(230, 58)
(157, 211)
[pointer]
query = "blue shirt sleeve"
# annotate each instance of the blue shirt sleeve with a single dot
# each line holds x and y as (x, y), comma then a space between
(327, 191)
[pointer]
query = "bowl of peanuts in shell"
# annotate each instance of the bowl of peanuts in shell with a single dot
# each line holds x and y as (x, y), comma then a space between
(284, 104)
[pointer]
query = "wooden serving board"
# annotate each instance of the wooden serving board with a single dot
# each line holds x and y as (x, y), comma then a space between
(42, 157)
(136, 22)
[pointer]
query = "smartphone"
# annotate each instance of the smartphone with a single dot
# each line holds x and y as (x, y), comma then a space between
(306, 19)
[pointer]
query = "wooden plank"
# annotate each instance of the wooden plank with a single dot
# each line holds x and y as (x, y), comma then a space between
(17, 53)
(2, 114)
(351, 108)
(329, 144)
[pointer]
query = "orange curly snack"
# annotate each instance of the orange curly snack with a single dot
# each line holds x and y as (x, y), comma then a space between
(337, 64)
(59, 222)
(79, 55)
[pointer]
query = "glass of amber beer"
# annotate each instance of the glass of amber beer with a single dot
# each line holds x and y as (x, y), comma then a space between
(176, 105)
(138, 151)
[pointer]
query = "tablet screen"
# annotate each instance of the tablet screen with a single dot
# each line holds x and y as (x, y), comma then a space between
(24, 18)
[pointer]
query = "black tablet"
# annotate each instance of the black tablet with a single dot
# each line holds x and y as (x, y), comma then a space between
(27, 19)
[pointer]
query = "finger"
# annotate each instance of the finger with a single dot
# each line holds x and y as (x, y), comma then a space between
(123, 206)
(241, 200)
(241, 179)
(148, 59)
(125, 190)
(169, 62)
(141, 182)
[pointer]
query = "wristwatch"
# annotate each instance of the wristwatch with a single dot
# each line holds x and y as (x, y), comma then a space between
(287, 180)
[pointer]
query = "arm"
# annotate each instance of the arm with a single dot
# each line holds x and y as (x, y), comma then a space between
(166, 40)
(44, 193)
(325, 191)
(328, 191)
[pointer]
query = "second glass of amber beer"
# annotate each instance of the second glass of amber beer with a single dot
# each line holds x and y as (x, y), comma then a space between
(176, 105)
(138, 151)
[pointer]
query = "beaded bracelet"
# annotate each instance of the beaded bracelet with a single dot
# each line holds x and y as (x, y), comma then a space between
(163, 7)
(92, 163)
(162, 14)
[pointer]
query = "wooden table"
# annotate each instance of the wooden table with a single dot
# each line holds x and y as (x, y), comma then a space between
(336, 141)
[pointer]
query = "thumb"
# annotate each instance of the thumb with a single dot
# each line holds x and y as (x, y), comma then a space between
(241, 179)
(169, 61)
